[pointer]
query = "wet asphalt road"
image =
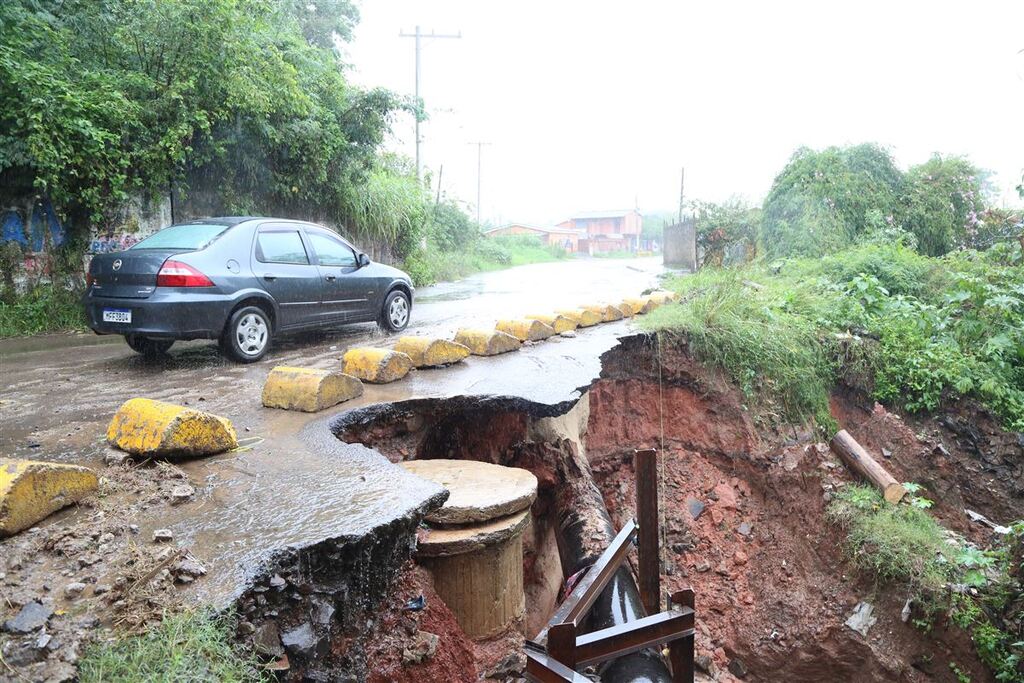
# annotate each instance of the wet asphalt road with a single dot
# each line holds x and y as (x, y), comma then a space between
(293, 483)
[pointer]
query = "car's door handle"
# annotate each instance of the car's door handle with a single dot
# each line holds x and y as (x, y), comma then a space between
(331, 278)
(269, 276)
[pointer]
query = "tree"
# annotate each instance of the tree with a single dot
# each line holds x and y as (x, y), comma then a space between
(943, 204)
(245, 100)
(821, 201)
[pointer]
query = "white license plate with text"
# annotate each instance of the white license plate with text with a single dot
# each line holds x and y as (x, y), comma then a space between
(117, 315)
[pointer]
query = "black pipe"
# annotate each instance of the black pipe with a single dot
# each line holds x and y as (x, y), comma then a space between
(583, 532)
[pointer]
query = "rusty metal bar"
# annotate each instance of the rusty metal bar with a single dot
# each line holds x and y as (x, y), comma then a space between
(645, 464)
(562, 643)
(542, 668)
(614, 642)
(593, 582)
(680, 656)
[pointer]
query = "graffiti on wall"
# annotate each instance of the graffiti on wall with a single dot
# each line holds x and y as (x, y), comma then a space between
(36, 228)
(102, 244)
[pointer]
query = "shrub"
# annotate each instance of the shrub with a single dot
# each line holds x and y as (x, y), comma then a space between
(894, 542)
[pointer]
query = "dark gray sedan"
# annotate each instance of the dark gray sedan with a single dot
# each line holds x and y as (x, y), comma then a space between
(241, 281)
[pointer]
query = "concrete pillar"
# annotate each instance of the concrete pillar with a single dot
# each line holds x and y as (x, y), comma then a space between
(473, 545)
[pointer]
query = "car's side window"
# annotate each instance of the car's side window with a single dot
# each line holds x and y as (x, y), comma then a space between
(331, 252)
(284, 246)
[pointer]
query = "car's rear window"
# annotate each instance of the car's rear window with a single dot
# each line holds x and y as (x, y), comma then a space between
(191, 236)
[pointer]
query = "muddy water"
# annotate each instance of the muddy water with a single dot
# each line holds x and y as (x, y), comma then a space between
(293, 484)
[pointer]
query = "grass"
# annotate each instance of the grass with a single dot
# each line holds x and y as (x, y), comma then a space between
(911, 330)
(44, 308)
(431, 264)
(899, 542)
(190, 647)
(756, 335)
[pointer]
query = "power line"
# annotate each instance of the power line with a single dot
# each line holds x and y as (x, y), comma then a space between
(479, 164)
(418, 35)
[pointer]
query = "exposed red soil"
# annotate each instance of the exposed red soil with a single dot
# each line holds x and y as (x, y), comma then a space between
(397, 628)
(960, 455)
(777, 598)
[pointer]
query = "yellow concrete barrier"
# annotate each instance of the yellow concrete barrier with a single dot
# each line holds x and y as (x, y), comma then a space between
(607, 312)
(308, 389)
(31, 490)
(558, 322)
(145, 427)
(581, 316)
(427, 352)
(640, 305)
(662, 297)
(525, 330)
(627, 310)
(377, 366)
(487, 342)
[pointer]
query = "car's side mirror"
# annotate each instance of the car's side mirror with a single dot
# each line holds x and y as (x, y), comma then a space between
(363, 260)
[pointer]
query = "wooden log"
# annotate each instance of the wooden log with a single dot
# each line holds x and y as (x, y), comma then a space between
(860, 461)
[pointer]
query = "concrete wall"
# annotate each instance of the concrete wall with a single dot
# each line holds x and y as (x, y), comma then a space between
(680, 247)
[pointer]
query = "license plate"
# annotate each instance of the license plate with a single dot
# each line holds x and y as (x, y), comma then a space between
(117, 315)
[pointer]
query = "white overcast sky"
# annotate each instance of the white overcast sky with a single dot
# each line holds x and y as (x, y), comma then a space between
(596, 105)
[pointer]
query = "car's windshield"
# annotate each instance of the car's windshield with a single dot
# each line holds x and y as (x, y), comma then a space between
(191, 236)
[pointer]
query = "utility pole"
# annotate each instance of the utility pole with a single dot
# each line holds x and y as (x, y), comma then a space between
(479, 155)
(682, 184)
(418, 35)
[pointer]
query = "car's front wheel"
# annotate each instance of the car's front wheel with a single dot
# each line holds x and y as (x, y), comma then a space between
(246, 337)
(394, 316)
(150, 348)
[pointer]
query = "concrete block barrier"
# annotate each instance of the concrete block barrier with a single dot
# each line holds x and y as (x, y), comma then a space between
(525, 329)
(581, 316)
(142, 426)
(31, 490)
(640, 305)
(377, 366)
(662, 297)
(307, 389)
(428, 352)
(487, 342)
(626, 308)
(558, 322)
(607, 312)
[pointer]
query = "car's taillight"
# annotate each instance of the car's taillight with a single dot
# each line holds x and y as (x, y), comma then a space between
(89, 280)
(178, 274)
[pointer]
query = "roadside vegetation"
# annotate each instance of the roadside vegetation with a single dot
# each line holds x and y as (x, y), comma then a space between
(190, 646)
(942, 574)
(907, 286)
(245, 108)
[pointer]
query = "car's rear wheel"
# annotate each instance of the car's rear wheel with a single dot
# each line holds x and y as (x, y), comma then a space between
(150, 348)
(247, 335)
(394, 316)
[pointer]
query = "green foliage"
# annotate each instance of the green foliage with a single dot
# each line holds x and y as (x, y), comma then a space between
(451, 228)
(721, 226)
(823, 201)
(942, 203)
(193, 646)
(43, 308)
(924, 329)
(758, 336)
(894, 542)
(902, 543)
(244, 100)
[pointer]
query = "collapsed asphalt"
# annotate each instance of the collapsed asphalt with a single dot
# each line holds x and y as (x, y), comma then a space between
(292, 483)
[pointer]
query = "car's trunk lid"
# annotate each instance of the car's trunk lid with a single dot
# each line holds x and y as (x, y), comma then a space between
(128, 274)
